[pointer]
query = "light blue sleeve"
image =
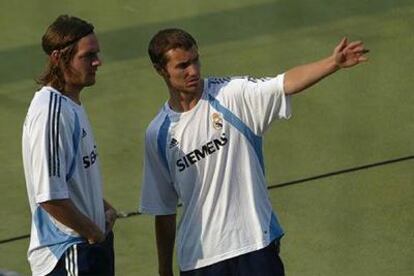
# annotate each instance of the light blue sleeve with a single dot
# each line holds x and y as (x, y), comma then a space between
(158, 195)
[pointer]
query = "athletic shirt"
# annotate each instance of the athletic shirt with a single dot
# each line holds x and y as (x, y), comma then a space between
(210, 158)
(60, 161)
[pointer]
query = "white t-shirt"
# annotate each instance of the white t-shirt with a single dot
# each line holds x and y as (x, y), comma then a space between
(60, 161)
(211, 159)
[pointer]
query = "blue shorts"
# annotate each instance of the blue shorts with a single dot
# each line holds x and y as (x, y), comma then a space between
(263, 262)
(88, 259)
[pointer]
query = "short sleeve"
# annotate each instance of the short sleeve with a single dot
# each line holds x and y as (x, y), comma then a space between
(158, 195)
(49, 138)
(259, 101)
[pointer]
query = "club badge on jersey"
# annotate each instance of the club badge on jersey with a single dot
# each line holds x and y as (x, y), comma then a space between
(217, 121)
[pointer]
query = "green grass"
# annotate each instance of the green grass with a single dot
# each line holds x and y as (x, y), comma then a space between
(352, 224)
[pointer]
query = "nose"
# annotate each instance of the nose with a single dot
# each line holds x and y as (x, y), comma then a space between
(193, 69)
(97, 62)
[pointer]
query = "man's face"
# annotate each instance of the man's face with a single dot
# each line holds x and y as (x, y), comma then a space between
(182, 71)
(84, 63)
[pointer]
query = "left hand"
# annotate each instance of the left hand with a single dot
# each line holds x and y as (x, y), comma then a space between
(110, 218)
(349, 54)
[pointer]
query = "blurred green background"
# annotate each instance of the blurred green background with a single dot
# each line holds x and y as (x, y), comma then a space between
(359, 223)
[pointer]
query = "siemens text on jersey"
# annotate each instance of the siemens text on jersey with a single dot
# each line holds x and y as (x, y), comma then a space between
(89, 160)
(196, 155)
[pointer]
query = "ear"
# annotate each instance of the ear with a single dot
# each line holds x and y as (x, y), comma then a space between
(55, 56)
(161, 71)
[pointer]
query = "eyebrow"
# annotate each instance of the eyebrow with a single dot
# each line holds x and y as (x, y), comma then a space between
(89, 52)
(187, 62)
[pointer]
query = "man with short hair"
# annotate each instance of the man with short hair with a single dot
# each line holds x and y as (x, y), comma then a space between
(71, 231)
(204, 148)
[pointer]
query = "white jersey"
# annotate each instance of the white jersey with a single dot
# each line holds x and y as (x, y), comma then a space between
(211, 159)
(60, 161)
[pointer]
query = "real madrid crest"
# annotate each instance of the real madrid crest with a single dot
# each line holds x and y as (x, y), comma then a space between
(217, 121)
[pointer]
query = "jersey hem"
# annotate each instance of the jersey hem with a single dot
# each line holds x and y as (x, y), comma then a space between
(156, 212)
(226, 256)
(45, 271)
(51, 196)
(50, 267)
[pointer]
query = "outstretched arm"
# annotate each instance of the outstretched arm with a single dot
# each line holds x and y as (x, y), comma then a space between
(345, 55)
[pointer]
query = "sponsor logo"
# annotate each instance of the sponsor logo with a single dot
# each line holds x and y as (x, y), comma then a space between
(173, 143)
(217, 121)
(196, 155)
(84, 133)
(89, 160)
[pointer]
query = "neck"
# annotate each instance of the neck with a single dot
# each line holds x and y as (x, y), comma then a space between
(184, 101)
(72, 93)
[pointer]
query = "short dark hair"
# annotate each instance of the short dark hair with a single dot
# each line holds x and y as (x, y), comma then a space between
(62, 35)
(168, 39)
